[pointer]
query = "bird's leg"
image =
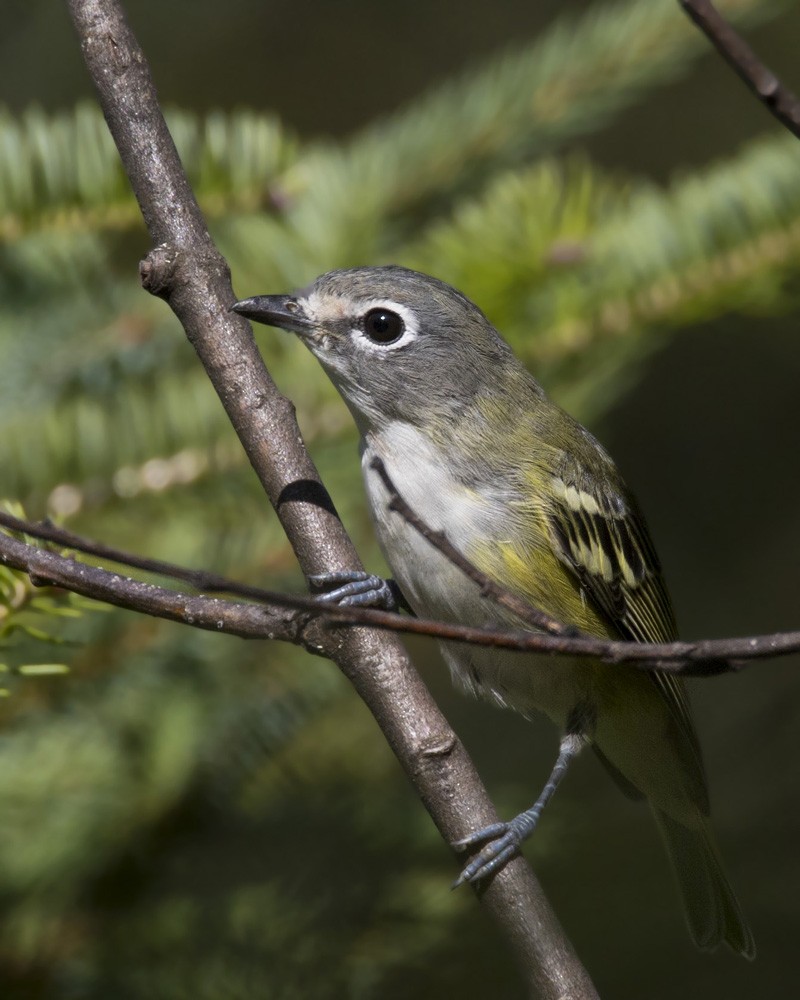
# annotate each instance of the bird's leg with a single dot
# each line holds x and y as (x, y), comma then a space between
(355, 588)
(505, 839)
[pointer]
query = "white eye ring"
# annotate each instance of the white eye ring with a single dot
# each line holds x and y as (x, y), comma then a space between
(407, 333)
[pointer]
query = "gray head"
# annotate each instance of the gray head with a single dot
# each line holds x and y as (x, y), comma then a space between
(397, 344)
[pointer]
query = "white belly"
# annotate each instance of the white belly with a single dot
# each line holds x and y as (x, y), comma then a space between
(435, 588)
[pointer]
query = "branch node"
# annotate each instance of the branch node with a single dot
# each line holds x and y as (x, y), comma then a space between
(157, 270)
(438, 746)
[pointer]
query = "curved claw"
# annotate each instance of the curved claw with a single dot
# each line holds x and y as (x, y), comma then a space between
(355, 588)
(505, 843)
(486, 833)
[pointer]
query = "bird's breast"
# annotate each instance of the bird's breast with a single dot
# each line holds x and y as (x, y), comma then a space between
(474, 519)
(424, 476)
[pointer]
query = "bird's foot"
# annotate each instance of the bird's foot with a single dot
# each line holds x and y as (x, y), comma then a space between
(505, 840)
(357, 589)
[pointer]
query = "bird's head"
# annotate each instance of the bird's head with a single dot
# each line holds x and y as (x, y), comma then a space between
(397, 344)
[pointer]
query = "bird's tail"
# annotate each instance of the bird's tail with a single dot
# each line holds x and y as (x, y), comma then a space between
(712, 910)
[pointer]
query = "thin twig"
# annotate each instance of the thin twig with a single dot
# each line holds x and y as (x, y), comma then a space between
(200, 579)
(702, 658)
(780, 101)
(248, 621)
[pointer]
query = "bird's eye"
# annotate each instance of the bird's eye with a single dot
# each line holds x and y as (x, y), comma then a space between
(383, 326)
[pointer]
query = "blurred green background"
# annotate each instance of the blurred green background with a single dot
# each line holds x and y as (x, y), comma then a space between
(189, 815)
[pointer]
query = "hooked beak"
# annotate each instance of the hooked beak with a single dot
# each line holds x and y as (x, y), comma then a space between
(283, 311)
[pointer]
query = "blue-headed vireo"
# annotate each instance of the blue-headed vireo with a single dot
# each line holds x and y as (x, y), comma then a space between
(532, 499)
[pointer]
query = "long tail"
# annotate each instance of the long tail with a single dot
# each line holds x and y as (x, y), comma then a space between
(712, 910)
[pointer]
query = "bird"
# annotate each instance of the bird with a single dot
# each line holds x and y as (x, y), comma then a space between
(534, 501)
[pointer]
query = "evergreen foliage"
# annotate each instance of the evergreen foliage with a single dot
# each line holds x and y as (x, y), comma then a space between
(153, 842)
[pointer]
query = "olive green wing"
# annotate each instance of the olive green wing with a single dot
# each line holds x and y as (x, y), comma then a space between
(597, 532)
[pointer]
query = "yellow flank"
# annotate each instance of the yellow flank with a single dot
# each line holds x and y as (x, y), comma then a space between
(540, 578)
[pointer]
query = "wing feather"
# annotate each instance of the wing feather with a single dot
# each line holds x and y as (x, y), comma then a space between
(598, 533)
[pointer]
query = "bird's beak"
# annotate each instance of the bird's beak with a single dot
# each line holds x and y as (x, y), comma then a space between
(283, 311)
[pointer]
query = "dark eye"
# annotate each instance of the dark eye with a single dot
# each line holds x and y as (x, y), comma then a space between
(383, 326)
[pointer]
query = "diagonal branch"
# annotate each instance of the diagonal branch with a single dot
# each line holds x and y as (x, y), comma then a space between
(187, 270)
(780, 101)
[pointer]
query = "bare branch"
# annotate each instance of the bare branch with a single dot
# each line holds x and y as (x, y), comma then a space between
(189, 273)
(734, 49)
(249, 621)
(200, 579)
(702, 658)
